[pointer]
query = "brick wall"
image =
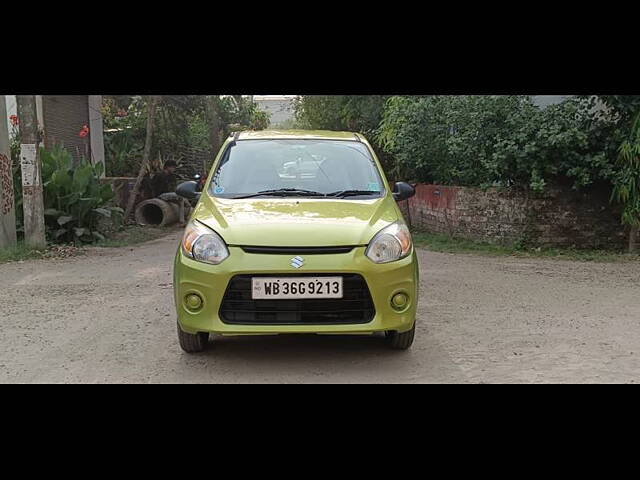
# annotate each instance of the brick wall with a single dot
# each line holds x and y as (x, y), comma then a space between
(556, 218)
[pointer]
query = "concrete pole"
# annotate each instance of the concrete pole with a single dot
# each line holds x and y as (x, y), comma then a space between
(32, 200)
(7, 197)
(96, 131)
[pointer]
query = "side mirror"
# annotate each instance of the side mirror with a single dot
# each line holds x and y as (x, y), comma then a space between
(188, 190)
(403, 191)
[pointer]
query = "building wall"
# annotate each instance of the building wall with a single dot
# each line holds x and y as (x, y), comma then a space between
(279, 108)
(556, 218)
(546, 100)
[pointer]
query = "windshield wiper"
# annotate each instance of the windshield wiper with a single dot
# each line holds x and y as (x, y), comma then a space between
(284, 192)
(351, 193)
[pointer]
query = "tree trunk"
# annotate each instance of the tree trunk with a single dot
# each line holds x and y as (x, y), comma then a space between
(633, 239)
(215, 125)
(153, 104)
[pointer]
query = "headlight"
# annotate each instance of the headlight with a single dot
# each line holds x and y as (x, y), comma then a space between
(390, 244)
(203, 244)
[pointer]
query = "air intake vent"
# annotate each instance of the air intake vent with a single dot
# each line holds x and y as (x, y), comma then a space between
(298, 250)
(355, 307)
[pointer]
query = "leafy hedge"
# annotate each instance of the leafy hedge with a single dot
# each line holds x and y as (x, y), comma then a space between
(505, 141)
(357, 113)
(352, 113)
(75, 200)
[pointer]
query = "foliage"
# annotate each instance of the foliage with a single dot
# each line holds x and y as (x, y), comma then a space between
(626, 188)
(74, 199)
(496, 141)
(352, 113)
(182, 125)
(622, 108)
(124, 137)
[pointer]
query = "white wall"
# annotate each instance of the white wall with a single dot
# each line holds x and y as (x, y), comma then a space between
(278, 107)
(546, 100)
(96, 129)
(11, 109)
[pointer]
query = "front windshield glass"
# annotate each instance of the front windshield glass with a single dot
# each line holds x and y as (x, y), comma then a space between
(296, 167)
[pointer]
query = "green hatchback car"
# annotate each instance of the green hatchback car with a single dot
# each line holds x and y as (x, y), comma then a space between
(296, 232)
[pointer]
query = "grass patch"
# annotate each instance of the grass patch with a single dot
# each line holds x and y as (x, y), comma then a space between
(447, 244)
(21, 252)
(133, 235)
(18, 252)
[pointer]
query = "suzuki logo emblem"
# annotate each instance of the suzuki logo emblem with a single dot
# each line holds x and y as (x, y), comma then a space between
(297, 262)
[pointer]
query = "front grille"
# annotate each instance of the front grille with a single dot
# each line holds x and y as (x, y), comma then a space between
(297, 250)
(356, 305)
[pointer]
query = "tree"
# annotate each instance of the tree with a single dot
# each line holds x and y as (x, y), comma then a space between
(497, 140)
(183, 123)
(146, 156)
(626, 189)
(352, 113)
(356, 113)
(625, 111)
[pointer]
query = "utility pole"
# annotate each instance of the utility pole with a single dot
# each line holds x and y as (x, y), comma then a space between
(7, 197)
(32, 200)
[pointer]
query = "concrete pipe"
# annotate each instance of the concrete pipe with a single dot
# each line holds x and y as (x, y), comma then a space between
(157, 212)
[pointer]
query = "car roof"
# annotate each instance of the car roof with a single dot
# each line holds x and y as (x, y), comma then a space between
(299, 134)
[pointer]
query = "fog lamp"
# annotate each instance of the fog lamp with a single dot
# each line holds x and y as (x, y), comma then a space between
(399, 301)
(193, 301)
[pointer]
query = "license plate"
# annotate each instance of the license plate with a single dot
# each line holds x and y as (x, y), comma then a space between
(295, 288)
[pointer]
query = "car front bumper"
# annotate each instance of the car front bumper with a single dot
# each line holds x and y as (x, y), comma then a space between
(210, 283)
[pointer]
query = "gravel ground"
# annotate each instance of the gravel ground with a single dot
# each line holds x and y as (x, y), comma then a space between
(108, 317)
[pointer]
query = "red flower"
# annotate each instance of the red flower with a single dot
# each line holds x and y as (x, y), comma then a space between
(84, 131)
(121, 113)
(14, 120)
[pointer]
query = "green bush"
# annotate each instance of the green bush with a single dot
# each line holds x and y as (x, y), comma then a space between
(75, 201)
(352, 113)
(491, 140)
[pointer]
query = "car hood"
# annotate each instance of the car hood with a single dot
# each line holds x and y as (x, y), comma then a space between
(296, 222)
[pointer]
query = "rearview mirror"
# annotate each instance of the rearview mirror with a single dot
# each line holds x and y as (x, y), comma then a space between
(188, 190)
(403, 191)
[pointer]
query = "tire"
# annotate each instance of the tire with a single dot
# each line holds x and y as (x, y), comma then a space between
(191, 343)
(401, 341)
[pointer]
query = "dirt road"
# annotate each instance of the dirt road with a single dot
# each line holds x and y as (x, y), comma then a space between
(108, 317)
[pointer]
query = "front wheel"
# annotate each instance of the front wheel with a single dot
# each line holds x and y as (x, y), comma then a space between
(192, 343)
(401, 341)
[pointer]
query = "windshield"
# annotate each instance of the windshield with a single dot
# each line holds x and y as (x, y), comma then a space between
(314, 168)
